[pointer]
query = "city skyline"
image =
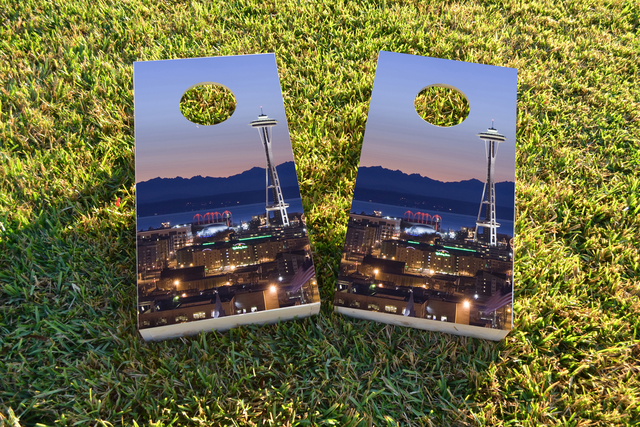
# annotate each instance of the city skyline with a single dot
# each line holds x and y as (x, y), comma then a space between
(168, 145)
(397, 138)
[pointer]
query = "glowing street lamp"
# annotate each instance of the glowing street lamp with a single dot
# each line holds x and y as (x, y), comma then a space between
(273, 288)
(466, 304)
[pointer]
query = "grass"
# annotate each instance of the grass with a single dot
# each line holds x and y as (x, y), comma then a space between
(207, 104)
(442, 106)
(69, 350)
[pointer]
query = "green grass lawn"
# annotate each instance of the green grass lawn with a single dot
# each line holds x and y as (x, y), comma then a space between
(69, 350)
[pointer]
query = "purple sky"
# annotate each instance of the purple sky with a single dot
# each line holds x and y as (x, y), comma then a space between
(168, 145)
(397, 138)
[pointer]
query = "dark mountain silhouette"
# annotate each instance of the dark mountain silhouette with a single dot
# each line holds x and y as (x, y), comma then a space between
(213, 202)
(380, 185)
(163, 189)
(160, 196)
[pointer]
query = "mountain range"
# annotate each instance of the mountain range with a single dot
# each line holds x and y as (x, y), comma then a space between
(159, 196)
(161, 189)
(394, 187)
(375, 184)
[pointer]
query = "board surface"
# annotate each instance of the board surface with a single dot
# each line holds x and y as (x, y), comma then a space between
(221, 239)
(429, 242)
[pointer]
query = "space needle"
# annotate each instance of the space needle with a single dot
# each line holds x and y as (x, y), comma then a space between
(264, 124)
(491, 140)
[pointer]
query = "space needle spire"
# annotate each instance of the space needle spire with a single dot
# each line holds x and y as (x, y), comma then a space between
(264, 124)
(489, 225)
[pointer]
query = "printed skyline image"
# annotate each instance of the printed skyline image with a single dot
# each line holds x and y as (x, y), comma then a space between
(430, 234)
(220, 227)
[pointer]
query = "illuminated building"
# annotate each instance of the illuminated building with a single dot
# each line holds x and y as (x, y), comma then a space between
(179, 237)
(360, 239)
(386, 228)
(488, 283)
(450, 258)
(427, 304)
(153, 254)
(169, 309)
(288, 262)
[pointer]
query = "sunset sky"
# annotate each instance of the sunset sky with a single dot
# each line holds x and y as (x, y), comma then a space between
(397, 138)
(168, 145)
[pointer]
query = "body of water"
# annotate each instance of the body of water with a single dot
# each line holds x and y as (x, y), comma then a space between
(239, 214)
(450, 221)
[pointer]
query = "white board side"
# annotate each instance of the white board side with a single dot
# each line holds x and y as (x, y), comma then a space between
(225, 323)
(426, 324)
